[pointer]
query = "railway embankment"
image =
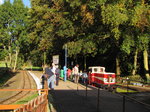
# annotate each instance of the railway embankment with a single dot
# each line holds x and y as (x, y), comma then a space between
(21, 80)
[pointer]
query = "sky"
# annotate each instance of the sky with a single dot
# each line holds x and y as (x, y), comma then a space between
(26, 2)
(1, 1)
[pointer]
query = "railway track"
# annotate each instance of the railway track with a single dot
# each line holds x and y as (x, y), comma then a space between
(26, 84)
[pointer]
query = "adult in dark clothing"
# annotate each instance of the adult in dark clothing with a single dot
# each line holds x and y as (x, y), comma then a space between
(50, 71)
(57, 76)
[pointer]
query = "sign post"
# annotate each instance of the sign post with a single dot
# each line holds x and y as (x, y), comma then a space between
(65, 67)
(56, 59)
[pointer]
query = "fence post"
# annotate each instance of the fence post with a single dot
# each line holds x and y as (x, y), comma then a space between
(123, 104)
(127, 84)
(77, 87)
(98, 99)
(86, 91)
(46, 86)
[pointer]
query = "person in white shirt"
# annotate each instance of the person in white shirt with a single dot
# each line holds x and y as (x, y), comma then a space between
(76, 73)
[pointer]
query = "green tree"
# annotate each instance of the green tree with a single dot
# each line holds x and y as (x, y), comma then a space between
(141, 21)
(6, 12)
(19, 28)
(14, 29)
(91, 28)
(42, 21)
(114, 14)
(136, 32)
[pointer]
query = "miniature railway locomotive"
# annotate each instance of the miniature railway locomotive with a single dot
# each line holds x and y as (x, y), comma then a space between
(98, 76)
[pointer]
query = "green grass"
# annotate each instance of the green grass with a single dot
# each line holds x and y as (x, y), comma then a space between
(34, 68)
(120, 90)
(27, 99)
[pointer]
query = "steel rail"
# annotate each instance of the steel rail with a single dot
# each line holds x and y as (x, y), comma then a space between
(20, 94)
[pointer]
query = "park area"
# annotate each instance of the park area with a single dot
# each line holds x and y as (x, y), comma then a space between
(111, 34)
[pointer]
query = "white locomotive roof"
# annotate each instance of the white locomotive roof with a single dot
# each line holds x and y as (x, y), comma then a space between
(99, 70)
(109, 73)
(96, 67)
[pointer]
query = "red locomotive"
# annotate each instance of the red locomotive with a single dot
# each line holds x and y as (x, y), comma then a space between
(98, 76)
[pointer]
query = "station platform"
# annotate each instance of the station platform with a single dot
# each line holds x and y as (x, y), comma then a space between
(71, 97)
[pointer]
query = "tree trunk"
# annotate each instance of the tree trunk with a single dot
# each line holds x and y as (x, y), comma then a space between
(135, 63)
(6, 60)
(84, 62)
(10, 56)
(117, 66)
(44, 58)
(16, 58)
(146, 69)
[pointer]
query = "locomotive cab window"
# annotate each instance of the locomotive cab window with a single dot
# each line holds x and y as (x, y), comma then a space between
(101, 70)
(95, 70)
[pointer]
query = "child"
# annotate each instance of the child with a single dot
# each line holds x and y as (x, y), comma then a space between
(43, 77)
(85, 76)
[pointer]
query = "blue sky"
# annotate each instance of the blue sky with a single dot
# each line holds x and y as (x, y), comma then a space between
(26, 2)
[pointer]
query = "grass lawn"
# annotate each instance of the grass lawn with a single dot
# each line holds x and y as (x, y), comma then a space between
(122, 90)
(34, 68)
(27, 99)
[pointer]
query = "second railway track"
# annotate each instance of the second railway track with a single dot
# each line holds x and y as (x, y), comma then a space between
(26, 83)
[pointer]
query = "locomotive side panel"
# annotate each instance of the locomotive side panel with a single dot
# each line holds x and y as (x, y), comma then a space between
(109, 78)
(99, 78)
(102, 78)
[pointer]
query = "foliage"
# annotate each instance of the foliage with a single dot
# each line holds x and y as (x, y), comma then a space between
(13, 31)
(127, 44)
(111, 29)
(81, 47)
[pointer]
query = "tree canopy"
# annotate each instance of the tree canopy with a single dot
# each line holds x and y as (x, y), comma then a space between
(111, 33)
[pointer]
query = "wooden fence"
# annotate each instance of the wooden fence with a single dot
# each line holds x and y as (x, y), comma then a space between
(39, 104)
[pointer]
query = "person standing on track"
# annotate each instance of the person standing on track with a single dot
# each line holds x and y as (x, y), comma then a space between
(50, 72)
(76, 73)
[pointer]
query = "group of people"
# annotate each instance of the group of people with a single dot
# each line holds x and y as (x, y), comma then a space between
(52, 73)
(75, 74)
